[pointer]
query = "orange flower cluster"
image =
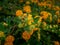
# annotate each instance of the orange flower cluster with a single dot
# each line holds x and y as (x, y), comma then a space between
(9, 40)
(26, 36)
(44, 14)
(29, 18)
(27, 9)
(19, 13)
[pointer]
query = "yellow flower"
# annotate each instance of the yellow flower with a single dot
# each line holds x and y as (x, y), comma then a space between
(29, 22)
(8, 43)
(27, 9)
(9, 38)
(1, 34)
(19, 13)
(29, 17)
(26, 35)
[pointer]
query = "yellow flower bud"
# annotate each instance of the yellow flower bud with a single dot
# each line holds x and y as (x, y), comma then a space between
(1, 34)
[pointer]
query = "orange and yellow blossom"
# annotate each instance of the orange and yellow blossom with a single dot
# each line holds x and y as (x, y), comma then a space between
(26, 36)
(19, 13)
(45, 14)
(27, 9)
(9, 38)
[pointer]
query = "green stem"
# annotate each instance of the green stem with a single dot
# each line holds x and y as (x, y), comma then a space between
(27, 42)
(38, 35)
